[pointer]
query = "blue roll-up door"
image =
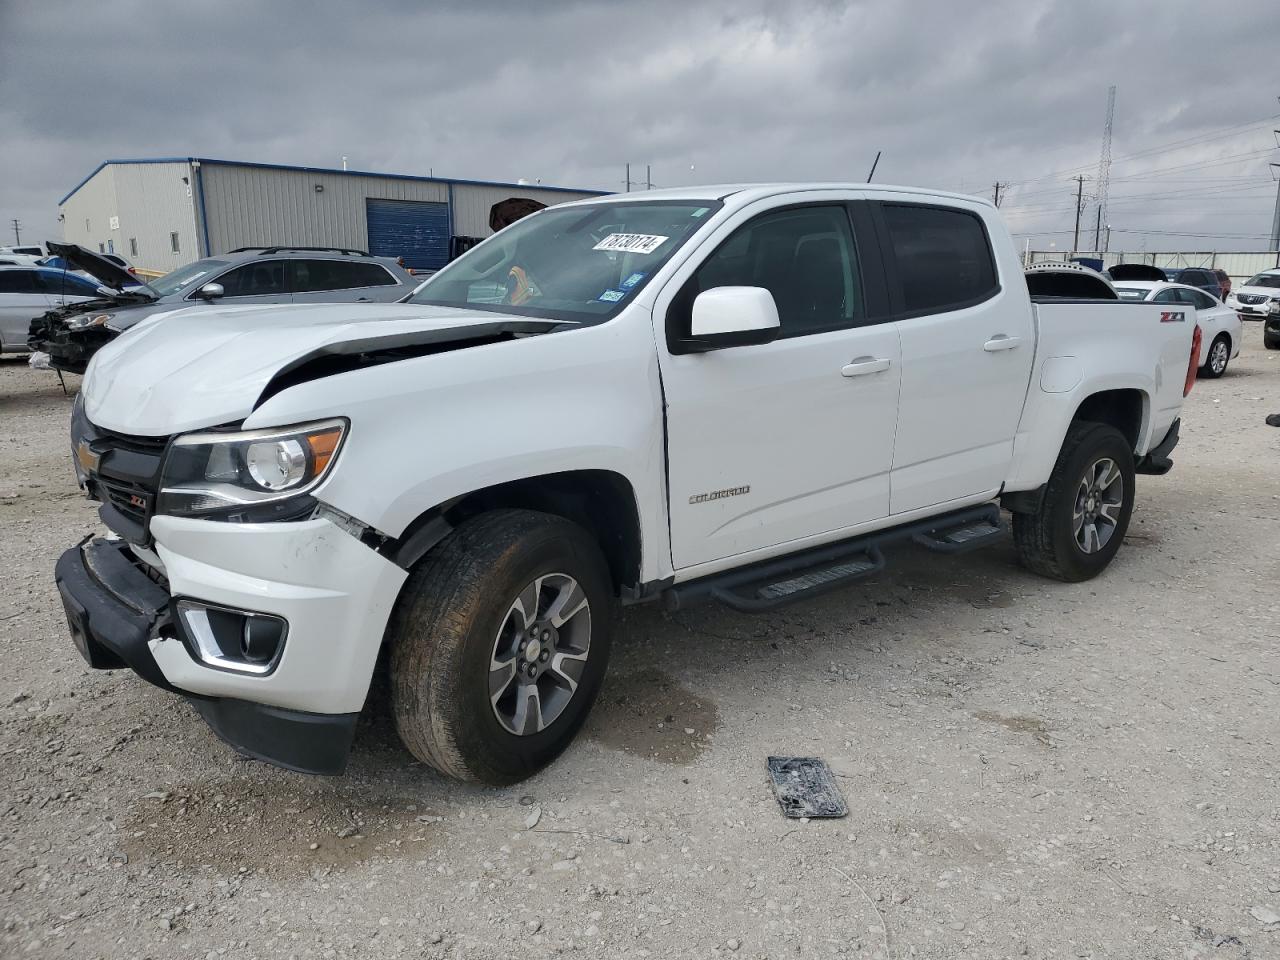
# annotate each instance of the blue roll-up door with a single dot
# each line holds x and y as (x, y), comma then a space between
(416, 231)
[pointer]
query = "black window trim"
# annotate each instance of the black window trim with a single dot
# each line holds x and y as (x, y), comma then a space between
(231, 268)
(366, 261)
(866, 253)
(893, 279)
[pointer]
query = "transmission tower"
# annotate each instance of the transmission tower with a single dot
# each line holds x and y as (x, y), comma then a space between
(1104, 167)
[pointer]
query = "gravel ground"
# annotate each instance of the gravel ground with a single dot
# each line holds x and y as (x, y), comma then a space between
(1031, 768)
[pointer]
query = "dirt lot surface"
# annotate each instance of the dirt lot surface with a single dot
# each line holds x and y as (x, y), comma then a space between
(1031, 768)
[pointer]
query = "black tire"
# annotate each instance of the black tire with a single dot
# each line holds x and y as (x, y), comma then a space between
(1216, 358)
(443, 633)
(1270, 342)
(1046, 540)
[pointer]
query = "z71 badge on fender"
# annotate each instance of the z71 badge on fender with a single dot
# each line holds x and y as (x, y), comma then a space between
(719, 494)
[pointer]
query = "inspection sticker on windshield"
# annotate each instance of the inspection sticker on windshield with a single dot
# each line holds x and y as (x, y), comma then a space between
(611, 296)
(632, 280)
(630, 243)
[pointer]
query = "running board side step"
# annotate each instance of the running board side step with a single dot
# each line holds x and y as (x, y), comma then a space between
(809, 573)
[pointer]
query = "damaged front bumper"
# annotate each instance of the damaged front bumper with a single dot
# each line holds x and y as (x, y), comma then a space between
(296, 707)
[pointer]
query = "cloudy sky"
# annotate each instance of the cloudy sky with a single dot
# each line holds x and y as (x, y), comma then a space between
(957, 95)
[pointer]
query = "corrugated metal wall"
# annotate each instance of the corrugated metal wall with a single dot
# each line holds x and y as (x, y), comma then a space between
(248, 205)
(1239, 266)
(87, 212)
(153, 202)
(471, 204)
(148, 201)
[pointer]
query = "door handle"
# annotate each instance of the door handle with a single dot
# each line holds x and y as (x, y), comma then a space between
(1001, 342)
(864, 365)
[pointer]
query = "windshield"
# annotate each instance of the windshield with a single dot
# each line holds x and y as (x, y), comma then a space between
(1131, 293)
(1265, 280)
(184, 277)
(576, 263)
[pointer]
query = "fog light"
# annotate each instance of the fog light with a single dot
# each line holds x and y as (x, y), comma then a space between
(227, 639)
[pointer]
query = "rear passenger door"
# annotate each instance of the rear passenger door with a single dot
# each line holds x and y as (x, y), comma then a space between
(775, 444)
(968, 342)
(22, 299)
(341, 281)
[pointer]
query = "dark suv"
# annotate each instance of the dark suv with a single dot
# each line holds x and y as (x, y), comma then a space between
(70, 335)
(1202, 277)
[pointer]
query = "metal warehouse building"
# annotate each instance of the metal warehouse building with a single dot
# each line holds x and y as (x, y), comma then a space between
(163, 213)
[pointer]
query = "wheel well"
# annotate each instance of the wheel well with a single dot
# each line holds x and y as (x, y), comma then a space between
(600, 501)
(1122, 409)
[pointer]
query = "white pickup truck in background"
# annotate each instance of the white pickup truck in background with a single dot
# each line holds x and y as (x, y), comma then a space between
(739, 393)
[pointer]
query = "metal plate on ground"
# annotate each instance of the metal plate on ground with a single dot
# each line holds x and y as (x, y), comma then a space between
(805, 787)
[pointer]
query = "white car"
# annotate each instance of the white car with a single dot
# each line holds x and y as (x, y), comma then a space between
(1220, 325)
(26, 292)
(732, 393)
(1259, 297)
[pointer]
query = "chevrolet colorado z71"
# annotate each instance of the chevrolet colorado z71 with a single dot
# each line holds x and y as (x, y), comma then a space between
(739, 393)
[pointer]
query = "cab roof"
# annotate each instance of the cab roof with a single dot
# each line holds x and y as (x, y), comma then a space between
(744, 193)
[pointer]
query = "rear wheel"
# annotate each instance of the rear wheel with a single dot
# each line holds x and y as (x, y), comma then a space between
(1271, 342)
(1215, 363)
(499, 644)
(1085, 509)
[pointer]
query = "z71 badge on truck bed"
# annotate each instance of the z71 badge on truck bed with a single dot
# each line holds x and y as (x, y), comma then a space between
(739, 393)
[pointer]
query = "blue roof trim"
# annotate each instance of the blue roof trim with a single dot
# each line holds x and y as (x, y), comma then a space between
(331, 170)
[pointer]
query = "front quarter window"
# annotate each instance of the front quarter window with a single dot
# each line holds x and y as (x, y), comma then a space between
(580, 263)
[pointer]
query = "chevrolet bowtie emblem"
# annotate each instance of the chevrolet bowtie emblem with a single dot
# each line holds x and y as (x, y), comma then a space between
(88, 459)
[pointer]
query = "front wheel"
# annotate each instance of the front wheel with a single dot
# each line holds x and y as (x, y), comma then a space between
(1085, 510)
(1215, 364)
(499, 644)
(1270, 342)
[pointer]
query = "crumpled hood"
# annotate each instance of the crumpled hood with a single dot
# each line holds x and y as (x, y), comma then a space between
(196, 368)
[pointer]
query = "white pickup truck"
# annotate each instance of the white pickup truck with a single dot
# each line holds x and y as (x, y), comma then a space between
(739, 393)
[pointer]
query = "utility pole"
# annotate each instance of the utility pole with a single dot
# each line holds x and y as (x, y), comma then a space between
(1104, 162)
(995, 195)
(17, 236)
(1275, 217)
(1075, 244)
(648, 176)
(1097, 232)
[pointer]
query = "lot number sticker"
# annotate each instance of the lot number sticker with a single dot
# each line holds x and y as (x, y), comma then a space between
(630, 243)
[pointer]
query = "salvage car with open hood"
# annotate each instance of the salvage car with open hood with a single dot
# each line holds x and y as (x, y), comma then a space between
(736, 393)
(277, 275)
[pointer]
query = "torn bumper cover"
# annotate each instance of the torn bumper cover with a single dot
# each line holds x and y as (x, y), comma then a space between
(117, 612)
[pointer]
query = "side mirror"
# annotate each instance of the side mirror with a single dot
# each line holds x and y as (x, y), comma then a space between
(732, 317)
(211, 291)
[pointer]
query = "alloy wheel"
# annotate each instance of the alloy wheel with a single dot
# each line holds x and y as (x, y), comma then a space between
(539, 654)
(1218, 357)
(1099, 501)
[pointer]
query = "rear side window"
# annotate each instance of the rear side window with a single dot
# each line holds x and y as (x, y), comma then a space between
(943, 257)
(68, 283)
(264, 279)
(310, 276)
(804, 256)
(19, 281)
(1202, 300)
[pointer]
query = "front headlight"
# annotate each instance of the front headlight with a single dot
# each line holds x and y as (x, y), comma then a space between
(84, 320)
(247, 475)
